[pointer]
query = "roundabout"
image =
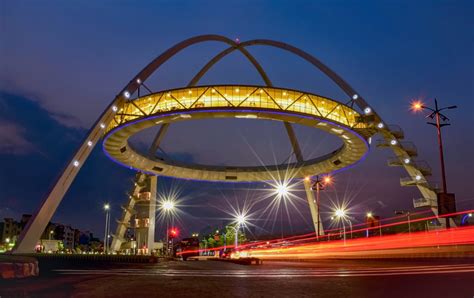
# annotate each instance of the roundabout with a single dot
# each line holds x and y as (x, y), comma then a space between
(236, 101)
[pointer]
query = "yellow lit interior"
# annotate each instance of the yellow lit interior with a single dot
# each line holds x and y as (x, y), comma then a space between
(236, 97)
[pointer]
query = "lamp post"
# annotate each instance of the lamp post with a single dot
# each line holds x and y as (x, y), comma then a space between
(379, 221)
(51, 234)
(239, 220)
(407, 213)
(225, 240)
(341, 215)
(282, 192)
(107, 222)
(319, 185)
(438, 116)
(168, 207)
(368, 215)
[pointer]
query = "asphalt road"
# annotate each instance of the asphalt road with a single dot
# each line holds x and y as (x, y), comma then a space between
(327, 278)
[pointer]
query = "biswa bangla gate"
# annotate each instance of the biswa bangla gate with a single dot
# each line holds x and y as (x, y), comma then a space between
(353, 121)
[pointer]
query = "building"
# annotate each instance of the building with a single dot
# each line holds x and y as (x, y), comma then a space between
(10, 230)
(70, 237)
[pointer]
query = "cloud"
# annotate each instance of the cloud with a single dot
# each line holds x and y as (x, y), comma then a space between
(13, 140)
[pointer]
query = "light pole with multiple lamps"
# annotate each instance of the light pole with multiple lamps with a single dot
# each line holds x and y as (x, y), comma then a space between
(438, 117)
(319, 185)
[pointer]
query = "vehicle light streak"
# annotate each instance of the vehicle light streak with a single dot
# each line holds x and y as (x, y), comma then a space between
(391, 244)
(305, 246)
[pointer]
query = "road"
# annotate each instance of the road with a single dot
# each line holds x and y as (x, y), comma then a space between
(325, 278)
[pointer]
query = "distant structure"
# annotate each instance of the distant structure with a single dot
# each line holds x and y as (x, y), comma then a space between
(69, 237)
(354, 121)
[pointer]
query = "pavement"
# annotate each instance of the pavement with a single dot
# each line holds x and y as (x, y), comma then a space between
(322, 278)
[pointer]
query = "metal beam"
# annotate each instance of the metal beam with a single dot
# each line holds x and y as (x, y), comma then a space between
(313, 207)
(158, 138)
(294, 142)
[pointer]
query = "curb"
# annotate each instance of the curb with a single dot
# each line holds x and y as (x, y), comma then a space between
(18, 268)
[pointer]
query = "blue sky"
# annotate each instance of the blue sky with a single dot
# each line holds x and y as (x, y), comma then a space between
(62, 62)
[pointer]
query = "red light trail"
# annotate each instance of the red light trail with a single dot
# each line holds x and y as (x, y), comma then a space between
(310, 246)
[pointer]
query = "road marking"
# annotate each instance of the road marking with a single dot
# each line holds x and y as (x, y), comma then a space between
(276, 273)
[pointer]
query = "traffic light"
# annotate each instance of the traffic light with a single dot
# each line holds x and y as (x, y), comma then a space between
(173, 233)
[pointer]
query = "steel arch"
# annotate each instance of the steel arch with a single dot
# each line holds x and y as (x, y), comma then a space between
(40, 219)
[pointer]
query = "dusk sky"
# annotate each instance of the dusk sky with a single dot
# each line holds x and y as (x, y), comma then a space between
(63, 62)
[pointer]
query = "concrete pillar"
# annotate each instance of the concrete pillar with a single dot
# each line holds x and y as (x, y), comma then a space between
(313, 207)
(152, 213)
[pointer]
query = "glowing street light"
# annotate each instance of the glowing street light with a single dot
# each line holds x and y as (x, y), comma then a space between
(341, 214)
(416, 106)
(168, 205)
(327, 179)
(282, 190)
(240, 220)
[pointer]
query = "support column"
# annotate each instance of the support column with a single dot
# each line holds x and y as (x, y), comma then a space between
(152, 214)
(313, 207)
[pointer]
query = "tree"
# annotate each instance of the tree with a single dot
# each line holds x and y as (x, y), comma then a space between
(211, 242)
(230, 235)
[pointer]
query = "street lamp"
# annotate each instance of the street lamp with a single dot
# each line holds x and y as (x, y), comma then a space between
(282, 190)
(371, 215)
(107, 227)
(51, 234)
(342, 216)
(168, 207)
(368, 215)
(403, 212)
(318, 185)
(438, 116)
(240, 219)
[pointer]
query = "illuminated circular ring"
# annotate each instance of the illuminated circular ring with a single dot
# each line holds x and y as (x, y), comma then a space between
(236, 101)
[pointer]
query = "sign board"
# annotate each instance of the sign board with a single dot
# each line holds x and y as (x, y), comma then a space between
(446, 203)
